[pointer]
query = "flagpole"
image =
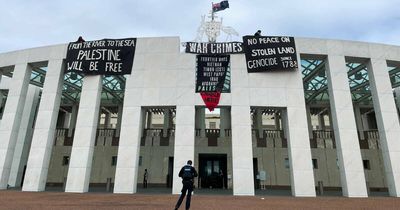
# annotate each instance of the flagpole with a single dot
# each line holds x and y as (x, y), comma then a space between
(212, 11)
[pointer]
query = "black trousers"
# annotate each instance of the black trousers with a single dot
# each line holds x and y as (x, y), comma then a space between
(187, 188)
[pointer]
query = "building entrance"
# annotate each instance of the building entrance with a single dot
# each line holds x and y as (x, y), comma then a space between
(212, 171)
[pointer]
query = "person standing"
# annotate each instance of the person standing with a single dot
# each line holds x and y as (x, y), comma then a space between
(258, 33)
(145, 178)
(187, 173)
(221, 176)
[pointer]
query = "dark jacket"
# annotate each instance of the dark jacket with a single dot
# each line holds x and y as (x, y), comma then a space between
(192, 170)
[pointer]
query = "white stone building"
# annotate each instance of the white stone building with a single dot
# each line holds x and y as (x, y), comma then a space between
(332, 123)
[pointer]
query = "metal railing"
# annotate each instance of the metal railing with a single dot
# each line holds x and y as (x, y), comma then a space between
(152, 132)
(273, 133)
(228, 132)
(60, 132)
(106, 132)
(323, 134)
(371, 134)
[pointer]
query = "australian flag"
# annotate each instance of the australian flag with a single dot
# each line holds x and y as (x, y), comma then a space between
(220, 6)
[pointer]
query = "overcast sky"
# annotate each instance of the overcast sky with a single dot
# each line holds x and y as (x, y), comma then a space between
(28, 23)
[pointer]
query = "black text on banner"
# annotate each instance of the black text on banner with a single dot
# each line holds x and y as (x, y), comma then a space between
(211, 72)
(267, 53)
(101, 57)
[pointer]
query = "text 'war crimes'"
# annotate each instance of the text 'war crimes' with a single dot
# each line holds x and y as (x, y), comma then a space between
(214, 48)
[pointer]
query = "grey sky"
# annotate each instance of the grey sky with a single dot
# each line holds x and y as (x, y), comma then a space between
(28, 23)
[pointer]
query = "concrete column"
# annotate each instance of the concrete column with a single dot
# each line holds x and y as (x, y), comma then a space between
(133, 122)
(167, 116)
(309, 123)
(285, 124)
(359, 124)
(294, 120)
(74, 116)
(277, 121)
(83, 145)
(365, 123)
(228, 118)
(222, 121)
(258, 122)
(119, 120)
(24, 137)
(67, 119)
(126, 174)
(242, 151)
(107, 120)
(299, 152)
(184, 142)
(344, 126)
(388, 122)
(321, 121)
(330, 119)
(149, 119)
(201, 121)
(43, 136)
(12, 115)
(99, 119)
(171, 119)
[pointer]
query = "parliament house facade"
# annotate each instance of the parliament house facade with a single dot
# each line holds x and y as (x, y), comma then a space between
(332, 124)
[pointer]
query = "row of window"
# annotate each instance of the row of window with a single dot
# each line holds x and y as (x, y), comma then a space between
(65, 161)
(366, 163)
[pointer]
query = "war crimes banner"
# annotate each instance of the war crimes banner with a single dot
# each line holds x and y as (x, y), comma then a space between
(267, 53)
(211, 72)
(214, 48)
(105, 57)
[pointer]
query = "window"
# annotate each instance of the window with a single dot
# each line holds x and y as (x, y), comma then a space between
(287, 163)
(3, 99)
(213, 125)
(1, 111)
(315, 163)
(367, 165)
(140, 160)
(114, 160)
(65, 161)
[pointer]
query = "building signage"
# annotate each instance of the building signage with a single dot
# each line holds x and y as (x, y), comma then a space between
(268, 53)
(104, 57)
(211, 72)
(214, 48)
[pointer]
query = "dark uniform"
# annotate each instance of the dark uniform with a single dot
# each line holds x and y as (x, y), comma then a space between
(187, 185)
(145, 178)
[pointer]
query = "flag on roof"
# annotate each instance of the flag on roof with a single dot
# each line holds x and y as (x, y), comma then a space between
(220, 6)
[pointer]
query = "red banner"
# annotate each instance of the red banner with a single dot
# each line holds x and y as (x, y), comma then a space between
(211, 99)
